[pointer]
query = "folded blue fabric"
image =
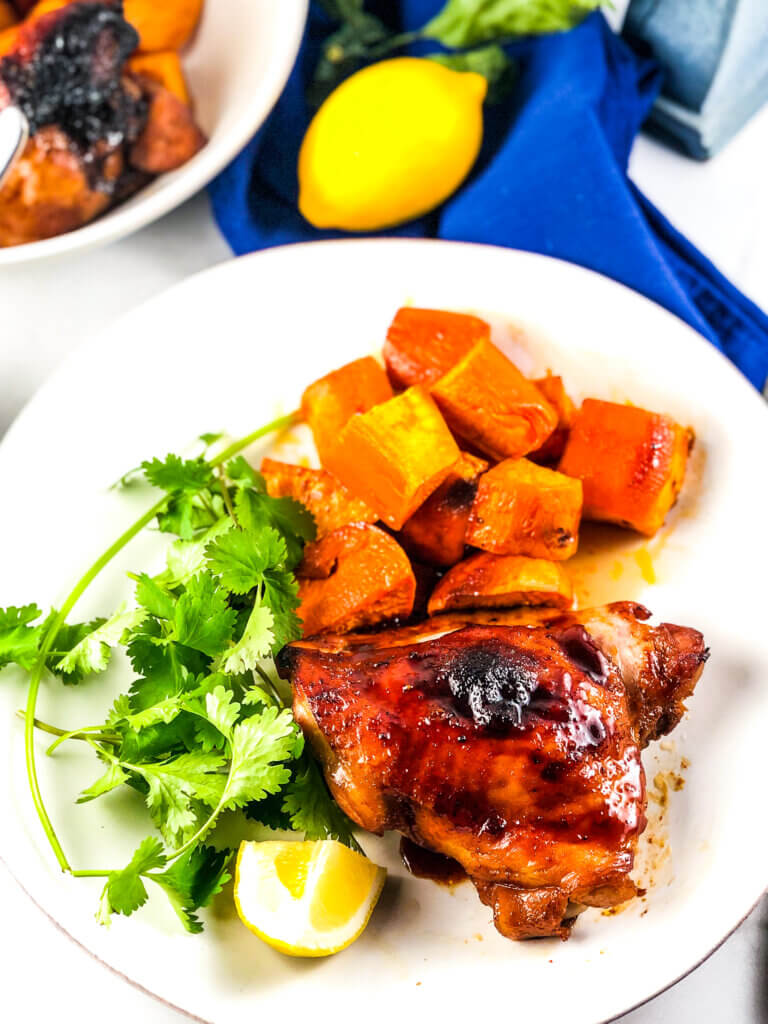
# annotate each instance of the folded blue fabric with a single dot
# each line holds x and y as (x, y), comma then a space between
(551, 178)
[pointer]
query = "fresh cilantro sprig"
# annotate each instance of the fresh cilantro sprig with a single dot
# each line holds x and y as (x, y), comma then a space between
(195, 735)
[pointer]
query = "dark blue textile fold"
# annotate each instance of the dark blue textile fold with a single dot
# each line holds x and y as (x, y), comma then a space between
(551, 178)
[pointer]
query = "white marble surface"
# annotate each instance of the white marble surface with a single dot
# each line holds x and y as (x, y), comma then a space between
(722, 206)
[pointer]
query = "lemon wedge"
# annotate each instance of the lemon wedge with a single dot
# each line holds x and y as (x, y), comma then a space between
(305, 898)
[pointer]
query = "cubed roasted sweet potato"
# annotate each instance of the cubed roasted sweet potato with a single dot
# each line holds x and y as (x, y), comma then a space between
(170, 137)
(8, 15)
(423, 344)
(553, 389)
(524, 509)
(163, 24)
(488, 403)
(163, 67)
(395, 455)
(8, 39)
(435, 532)
(329, 402)
(631, 463)
(501, 581)
(356, 576)
(47, 191)
(327, 499)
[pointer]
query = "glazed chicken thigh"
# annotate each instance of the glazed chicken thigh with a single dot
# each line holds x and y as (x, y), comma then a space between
(513, 749)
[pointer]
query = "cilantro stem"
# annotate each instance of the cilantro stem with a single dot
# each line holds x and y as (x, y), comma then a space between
(36, 675)
(95, 732)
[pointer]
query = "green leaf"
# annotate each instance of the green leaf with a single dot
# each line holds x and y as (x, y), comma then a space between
(188, 514)
(124, 891)
(19, 640)
(347, 49)
(243, 473)
(113, 777)
(185, 558)
(156, 600)
(295, 523)
(202, 618)
(222, 710)
(465, 23)
(281, 593)
(242, 557)
(176, 474)
(256, 642)
(93, 652)
(173, 785)
(163, 664)
(260, 745)
(311, 809)
(193, 880)
(489, 61)
(68, 637)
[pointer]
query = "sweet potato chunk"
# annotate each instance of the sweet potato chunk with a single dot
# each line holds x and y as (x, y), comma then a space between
(164, 68)
(524, 509)
(554, 391)
(356, 576)
(8, 39)
(423, 344)
(395, 455)
(170, 137)
(163, 24)
(8, 15)
(630, 461)
(328, 404)
(492, 581)
(436, 530)
(47, 191)
(487, 402)
(329, 501)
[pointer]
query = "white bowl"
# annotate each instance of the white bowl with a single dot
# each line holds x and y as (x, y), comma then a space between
(236, 66)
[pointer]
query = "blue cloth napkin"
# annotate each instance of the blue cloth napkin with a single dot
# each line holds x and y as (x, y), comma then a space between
(551, 178)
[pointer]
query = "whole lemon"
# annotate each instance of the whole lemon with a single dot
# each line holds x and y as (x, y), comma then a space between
(390, 143)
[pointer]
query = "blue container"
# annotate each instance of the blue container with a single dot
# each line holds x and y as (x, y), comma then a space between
(714, 54)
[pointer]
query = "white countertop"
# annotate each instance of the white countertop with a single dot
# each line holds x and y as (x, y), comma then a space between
(723, 208)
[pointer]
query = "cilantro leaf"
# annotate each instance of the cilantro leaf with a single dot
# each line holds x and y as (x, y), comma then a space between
(151, 596)
(69, 636)
(93, 652)
(242, 557)
(193, 880)
(311, 809)
(19, 640)
(124, 891)
(113, 777)
(185, 558)
(256, 642)
(176, 474)
(173, 785)
(259, 747)
(202, 618)
(242, 472)
(295, 523)
(161, 662)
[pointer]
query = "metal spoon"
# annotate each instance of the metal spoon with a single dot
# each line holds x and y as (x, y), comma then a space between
(14, 132)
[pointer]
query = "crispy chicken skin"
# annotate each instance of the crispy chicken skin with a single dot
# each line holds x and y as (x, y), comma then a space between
(513, 749)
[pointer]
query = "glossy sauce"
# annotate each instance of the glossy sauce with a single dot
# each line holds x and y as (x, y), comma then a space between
(427, 864)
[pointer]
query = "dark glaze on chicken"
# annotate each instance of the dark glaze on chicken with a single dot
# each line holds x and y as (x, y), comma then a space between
(514, 750)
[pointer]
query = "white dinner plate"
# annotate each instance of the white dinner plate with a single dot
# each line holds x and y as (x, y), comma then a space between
(230, 348)
(236, 65)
